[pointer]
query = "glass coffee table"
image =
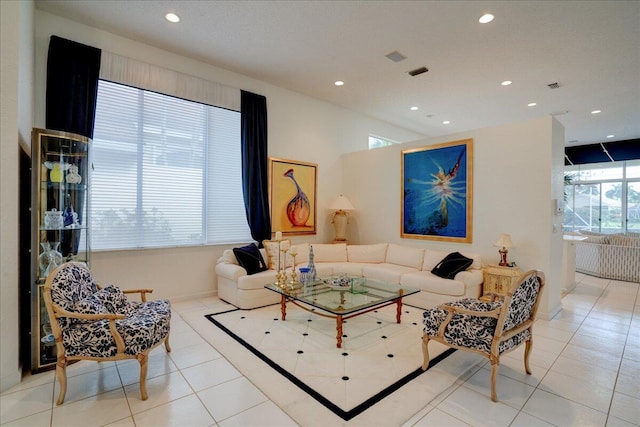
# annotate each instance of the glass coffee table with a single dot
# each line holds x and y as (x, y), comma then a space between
(342, 304)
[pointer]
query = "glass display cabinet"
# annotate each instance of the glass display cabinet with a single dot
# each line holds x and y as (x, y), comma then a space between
(60, 214)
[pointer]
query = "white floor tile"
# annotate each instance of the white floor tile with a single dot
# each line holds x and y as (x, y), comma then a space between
(209, 374)
(266, 414)
(626, 408)
(41, 419)
(193, 355)
(562, 412)
(187, 411)
(90, 384)
(160, 390)
(25, 402)
(477, 409)
(629, 378)
(510, 392)
(96, 410)
(525, 420)
(231, 398)
(436, 417)
(575, 389)
(158, 364)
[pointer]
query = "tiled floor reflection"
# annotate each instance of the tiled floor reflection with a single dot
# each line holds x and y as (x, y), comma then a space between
(585, 363)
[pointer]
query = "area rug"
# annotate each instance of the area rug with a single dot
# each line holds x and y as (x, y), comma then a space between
(377, 358)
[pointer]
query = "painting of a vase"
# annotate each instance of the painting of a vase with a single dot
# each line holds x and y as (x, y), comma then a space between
(292, 192)
(299, 208)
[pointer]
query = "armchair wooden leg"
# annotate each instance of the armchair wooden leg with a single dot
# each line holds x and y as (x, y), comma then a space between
(494, 374)
(527, 352)
(143, 360)
(61, 375)
(425, 351)
(167, 346)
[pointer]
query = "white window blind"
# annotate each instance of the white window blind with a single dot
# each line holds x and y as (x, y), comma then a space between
(167, 172)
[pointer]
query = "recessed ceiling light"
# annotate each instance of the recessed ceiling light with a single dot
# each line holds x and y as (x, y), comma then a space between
(446, 122)
(506, 83)
(596, 112)
(339, 83)
(486, 18)
(531, 104)
(172, 17)
(414, 108)
(610, 136)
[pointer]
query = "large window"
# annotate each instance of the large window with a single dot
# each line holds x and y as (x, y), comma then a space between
(167, 172)
(603, 197)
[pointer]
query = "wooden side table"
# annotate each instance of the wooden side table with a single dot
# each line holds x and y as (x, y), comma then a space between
(498, 280)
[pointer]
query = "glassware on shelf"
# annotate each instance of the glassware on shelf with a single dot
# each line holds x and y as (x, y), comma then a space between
(53, 219)
(50, 258)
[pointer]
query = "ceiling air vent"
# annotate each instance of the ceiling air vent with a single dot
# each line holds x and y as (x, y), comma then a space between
(418, 71)
(555, 85)
(395, 56)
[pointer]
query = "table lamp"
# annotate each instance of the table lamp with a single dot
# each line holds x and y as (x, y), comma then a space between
(341, 205)
(504, 242)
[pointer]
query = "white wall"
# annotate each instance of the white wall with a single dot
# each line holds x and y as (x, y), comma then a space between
(516, 174)
(16, 117)
(299, 128)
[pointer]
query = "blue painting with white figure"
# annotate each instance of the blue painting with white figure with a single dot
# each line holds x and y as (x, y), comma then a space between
(435, 192)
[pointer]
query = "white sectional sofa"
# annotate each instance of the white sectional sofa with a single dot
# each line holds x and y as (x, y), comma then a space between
(392, 263)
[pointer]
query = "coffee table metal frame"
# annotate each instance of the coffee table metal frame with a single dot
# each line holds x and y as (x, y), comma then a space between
(342, 304)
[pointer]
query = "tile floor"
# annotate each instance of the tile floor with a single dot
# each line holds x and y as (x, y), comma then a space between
(585, 362)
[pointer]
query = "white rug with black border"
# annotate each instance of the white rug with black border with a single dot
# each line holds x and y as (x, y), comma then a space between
(377, 358)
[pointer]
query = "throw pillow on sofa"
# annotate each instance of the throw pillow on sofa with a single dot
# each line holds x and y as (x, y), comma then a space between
(451, 265)
(250, 258)
(274, 250)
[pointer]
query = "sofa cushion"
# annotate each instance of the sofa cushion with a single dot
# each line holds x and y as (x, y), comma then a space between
(227, 257)
(303, 254)
(451, 265)
(329, 252)
(429, 282)
(250, 258)
(274, 254)
(256, 281)
(404, 255)
(385, 272)
(367, 253)
(348, 268)
(431, 258)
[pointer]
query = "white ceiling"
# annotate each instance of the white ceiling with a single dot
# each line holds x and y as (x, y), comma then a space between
(591, 48)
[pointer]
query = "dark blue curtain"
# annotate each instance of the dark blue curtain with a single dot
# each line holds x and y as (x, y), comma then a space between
(255, 187)
(73, 70)
(72, 86)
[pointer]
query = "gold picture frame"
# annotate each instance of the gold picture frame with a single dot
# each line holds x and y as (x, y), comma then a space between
(437, 192)
(292, 196)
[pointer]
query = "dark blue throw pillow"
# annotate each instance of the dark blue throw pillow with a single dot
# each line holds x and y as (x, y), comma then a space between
(250, 258)
(451, 265)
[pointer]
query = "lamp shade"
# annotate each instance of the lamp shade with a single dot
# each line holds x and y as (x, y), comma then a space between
(504, 241)
(340, 203)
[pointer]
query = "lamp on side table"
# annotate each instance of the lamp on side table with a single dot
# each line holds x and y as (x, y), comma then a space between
(341, 205)
(504, 242)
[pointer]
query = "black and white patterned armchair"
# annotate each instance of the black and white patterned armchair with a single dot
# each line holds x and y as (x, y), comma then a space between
(488, 328)
(90, 322)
